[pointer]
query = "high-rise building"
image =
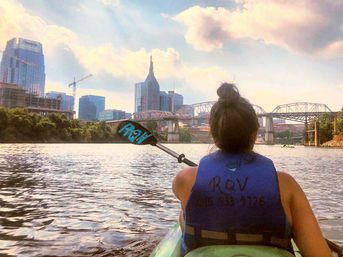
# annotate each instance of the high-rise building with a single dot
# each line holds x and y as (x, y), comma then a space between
(23, 64)
(147, 93)
(176, 101)
(141, 97)
(90, 107)
(165, 101)
(111, 115)
(67, 101)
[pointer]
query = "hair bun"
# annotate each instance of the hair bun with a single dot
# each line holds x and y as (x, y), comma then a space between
(228, 93)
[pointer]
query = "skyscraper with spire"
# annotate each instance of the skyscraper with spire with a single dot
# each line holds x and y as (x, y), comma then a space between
(147, 93)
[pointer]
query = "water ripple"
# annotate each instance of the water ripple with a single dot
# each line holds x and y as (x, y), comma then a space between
(116, 200)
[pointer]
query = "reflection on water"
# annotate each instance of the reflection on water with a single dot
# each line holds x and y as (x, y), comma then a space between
(103, 200)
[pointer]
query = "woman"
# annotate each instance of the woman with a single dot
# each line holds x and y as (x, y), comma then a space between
(236, 196)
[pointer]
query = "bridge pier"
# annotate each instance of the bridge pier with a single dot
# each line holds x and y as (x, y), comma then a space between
(269, 134)
(173, 131)
(316, 134)
(305, 134)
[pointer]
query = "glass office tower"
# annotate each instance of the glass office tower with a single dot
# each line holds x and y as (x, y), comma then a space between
(147, 93)
(90, 107)
(165, 102)
(67, 101)
(177, 100)
(112, 114)
(23, 64)
(140, 97)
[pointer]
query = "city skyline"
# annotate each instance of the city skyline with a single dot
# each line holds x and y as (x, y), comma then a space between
(148, 95)
(196, 45)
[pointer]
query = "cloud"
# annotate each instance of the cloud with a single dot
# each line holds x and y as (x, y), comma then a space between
(134, 66)
(16, 22)
(306, 26)
(206, 80)
(112, 3)
(125, 65)
(207, 27)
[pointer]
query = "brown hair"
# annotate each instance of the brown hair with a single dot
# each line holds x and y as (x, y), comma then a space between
(233, 121)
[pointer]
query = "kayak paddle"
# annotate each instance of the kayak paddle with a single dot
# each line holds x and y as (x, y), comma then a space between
(135, 133)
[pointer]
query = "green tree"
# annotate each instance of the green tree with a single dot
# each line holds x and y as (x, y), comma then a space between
(20, 125)
(284, 137)
(325, 129)
(77, 134)
(104, 134)
(340, 114)
(3, 119)
(152, 126)
(44, 128)
(185, 135)
(340, 122)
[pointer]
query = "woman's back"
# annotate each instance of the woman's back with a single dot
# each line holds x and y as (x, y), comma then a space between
(306, 231)
(233, 126)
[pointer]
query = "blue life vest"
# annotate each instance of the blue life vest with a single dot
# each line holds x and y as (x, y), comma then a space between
(234, 201)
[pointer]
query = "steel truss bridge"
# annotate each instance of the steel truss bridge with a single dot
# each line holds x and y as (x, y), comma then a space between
(299, 111)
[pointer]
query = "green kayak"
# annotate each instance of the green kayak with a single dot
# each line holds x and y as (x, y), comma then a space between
(170, 247)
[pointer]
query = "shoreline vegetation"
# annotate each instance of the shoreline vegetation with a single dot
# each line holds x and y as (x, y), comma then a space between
(336, 142)
(17, 125)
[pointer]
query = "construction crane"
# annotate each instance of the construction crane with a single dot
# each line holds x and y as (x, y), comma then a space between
(20, 60)
(74, 86)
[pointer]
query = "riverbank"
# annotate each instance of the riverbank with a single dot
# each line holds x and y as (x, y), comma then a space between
(336, 142)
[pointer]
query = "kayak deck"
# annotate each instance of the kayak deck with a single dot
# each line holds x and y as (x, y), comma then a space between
(170, 247)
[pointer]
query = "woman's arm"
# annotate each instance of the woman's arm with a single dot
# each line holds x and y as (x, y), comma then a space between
(308, 236)
(182, 187)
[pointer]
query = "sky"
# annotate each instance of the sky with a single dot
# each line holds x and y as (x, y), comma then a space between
(276, 51)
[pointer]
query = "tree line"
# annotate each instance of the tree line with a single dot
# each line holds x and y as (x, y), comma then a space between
(286, 137)
(17, 125)
(326, 127)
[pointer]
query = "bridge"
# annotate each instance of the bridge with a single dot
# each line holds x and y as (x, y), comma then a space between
(303, 112)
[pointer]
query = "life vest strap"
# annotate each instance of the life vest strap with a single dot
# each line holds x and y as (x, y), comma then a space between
(240, 238)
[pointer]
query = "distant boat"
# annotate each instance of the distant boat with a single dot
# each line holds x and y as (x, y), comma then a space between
(259, 140)
(288, 146)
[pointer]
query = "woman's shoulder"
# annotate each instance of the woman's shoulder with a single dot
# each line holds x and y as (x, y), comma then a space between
(290, 190)
(286, 179)
(186, 174)
(183, 181)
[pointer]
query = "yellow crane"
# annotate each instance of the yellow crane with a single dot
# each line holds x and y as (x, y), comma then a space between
(74, 86)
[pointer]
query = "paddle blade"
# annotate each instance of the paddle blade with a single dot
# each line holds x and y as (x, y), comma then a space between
(135, 133)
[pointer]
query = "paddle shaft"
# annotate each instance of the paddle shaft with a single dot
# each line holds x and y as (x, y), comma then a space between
(179, 157)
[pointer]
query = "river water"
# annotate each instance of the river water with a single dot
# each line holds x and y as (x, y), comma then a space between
(116, 199)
